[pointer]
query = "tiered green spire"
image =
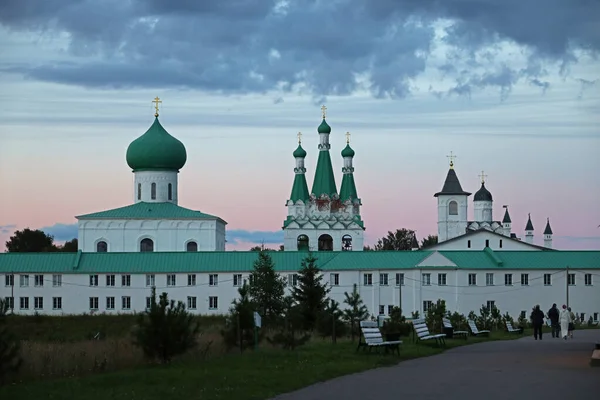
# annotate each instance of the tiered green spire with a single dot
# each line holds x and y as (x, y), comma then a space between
(324, 182)
(300, 188)
(348, 189)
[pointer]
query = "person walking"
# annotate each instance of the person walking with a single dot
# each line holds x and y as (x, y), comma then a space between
(565, 319)
(553, 315)
(572, 323)
(537, 319)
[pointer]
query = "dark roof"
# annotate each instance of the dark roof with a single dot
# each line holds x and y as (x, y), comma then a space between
(475, 232)
(506, 219)
(548, 230)
(529, 226)
(452, 185)
(483, 194)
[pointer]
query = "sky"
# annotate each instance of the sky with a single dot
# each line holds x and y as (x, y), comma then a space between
(510, 87)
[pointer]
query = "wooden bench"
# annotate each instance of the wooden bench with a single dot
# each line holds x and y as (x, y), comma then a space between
(510, 328)
(448, 325)
(373, 338)
(475, 331)
(423, 334)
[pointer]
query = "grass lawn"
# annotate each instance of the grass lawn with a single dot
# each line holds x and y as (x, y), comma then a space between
(253, 375)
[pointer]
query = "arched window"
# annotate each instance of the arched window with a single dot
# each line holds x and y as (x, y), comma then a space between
(346, 243)
(170, 191)
(453, 208)
(101, 247)
(325, 243)
(153, 191)
(303, 243)
(139, 191)
(146, 245)
(191, 246)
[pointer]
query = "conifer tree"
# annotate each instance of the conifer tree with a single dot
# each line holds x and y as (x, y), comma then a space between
(310, 294)
(166, 330)
(267, 289)
(239, 329)
(356, 312)
(10, 362)
(330, 321)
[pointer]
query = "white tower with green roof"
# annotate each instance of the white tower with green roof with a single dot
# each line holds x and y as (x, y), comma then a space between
(324, 220)
(155, 221)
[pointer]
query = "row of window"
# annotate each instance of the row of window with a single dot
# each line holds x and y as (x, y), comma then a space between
(213, 280)
(146, 245)
(94, 303)
(153, 191)
(487, 243)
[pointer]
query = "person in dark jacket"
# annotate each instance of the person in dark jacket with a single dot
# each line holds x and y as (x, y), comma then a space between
(553, 314)
(537, 320)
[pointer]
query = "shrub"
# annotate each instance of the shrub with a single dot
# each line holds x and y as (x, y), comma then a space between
(10, 362)
(166, 330)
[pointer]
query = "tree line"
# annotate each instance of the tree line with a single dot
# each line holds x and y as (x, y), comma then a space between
(36, 241)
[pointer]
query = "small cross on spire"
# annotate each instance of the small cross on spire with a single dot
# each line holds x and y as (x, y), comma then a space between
(156, 101)
(482, 176)
(299, 137)
(348, 137)
(324, 111)
(451, 157)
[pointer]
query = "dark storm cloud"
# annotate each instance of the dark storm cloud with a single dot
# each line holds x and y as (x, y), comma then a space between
(316, 47)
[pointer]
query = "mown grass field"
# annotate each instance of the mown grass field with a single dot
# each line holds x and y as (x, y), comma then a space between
(253, 375)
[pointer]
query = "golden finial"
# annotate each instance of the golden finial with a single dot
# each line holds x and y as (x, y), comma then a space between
(482, 176)
(451, 157)
(324, 111)
(156, 101)
(348, 137)
(299, 137)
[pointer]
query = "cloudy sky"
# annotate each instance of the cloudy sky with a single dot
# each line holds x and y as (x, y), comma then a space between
(509, 86)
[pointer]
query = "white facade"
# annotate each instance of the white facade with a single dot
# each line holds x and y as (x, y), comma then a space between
(452, 216)
(512, 291)
(339, 230)
(126, 235)
(481, 239)
(482, 211)
(155, 186)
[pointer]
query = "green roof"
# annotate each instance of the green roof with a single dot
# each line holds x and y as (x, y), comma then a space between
(348, 152)
(299, 152)
(348, 189)
(144, 210)
(324, 182)
(233, 261)
(299, 189)
(324, 127)
(156, 150)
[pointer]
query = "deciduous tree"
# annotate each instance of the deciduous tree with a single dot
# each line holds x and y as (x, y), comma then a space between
(30, 241)
(429, 241)
(401, 239)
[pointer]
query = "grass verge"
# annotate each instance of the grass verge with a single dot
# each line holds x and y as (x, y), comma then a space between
(253, 375)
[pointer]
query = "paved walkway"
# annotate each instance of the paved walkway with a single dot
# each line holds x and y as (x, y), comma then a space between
(516, 369)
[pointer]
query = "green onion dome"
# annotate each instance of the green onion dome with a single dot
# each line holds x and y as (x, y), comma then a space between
(324, 127)
(299, 152)
(347, 152)
(156, 150)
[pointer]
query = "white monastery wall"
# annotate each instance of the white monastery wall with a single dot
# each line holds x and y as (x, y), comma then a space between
(75, 291)
(479, 241)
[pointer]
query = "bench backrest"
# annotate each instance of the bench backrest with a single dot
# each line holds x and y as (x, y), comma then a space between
(371, 332)
(509, 326)
(420, 327)
(447, 323)
(473, 326)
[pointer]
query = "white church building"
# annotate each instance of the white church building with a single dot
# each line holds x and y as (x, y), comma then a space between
(154, 242)
(155, 221)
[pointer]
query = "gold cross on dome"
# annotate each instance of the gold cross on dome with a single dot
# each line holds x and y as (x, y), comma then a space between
(299, 137)
(156, 101)
(451, 157)
(482, 176)
(347, 137)
(324, 111)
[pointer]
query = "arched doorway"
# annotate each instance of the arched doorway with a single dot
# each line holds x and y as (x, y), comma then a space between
(101, 247)
(303, 243)
(325, 243)
(346, 243)
(191, 246)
